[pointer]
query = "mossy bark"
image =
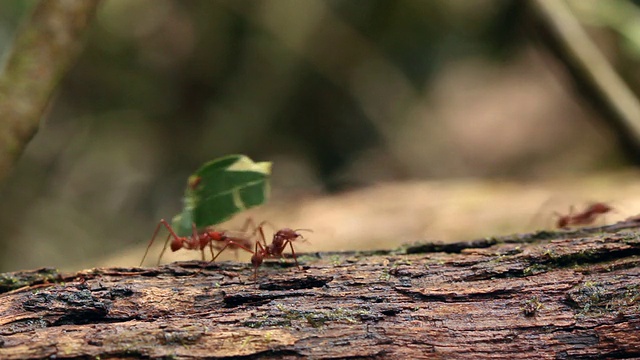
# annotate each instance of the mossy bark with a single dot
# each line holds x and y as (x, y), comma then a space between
(572, 294)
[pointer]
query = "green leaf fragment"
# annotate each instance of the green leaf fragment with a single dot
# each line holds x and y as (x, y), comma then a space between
(220, 189)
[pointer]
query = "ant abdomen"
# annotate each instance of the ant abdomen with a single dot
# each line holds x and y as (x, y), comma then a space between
(176, 244)
(256, 260)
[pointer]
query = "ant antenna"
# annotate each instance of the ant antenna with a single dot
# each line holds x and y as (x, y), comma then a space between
(304, 239)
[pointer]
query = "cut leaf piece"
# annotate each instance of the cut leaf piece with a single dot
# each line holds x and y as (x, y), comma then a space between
(220, 189)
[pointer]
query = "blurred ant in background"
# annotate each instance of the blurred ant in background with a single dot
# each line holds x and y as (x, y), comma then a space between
(586, 217)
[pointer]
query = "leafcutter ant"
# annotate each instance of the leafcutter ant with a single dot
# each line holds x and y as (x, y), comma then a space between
(198, 241)
(586, 217)
(275, 249)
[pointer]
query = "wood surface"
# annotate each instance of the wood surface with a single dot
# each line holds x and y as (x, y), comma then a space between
(567, 294)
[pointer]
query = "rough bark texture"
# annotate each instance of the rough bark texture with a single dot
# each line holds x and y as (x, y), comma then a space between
(573, 294)
(42, 52)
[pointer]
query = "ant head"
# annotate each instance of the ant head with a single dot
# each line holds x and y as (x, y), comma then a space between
(286, 233)
(600, 208)
(176, 243)
(563, 222)
(289, 234)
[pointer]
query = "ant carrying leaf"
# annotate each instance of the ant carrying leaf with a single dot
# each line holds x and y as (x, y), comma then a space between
(216, 192)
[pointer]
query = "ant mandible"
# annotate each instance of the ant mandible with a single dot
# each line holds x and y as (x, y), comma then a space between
(196, 241)
(279, 242)
(586, 217)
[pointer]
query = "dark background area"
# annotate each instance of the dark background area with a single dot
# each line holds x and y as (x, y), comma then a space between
(339, 94)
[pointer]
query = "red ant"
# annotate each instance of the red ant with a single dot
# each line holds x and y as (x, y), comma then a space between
(274, 250)
(587, 217)
(194, 181)
(198, 241)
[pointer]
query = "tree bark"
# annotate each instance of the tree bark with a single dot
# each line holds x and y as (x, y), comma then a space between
(566, 294)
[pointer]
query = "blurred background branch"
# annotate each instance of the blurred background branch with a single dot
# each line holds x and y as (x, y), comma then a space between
(592, 72)
(47, 43)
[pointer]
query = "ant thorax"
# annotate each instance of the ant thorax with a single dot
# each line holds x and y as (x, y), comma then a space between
(273, 248)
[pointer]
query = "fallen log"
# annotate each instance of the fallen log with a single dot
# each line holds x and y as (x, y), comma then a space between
(566, 294)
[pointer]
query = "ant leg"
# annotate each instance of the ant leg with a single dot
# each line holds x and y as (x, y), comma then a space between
(213, 259)
(230, 241)
(197, 238)
(255, 266)
(164, 248)
(166, 224)
(211, 249)
(264, 239)
(227, 243)
(293, 253)
(261, 254)
(248, 223)
(256, 228)
(237, 242)
(155, 233)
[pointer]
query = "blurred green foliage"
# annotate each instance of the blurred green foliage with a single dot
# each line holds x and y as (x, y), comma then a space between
(256, 76)
(10, 16)
(338, 93)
